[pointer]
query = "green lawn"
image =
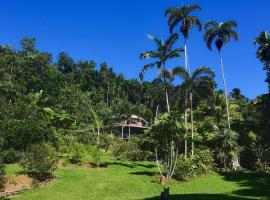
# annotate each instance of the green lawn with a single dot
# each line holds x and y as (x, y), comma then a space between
(138, 180)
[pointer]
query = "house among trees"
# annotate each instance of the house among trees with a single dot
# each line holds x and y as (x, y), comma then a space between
(131, 125)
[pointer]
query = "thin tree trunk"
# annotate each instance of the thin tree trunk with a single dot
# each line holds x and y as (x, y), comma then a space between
(167, 100)
(108, 88)
(192, 128)
(157, 111)
(225, 89)
(186, 66)
(186, 125)
(165, 88)
(98, 135)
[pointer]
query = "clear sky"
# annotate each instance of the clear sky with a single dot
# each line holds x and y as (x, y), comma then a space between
(115, 31)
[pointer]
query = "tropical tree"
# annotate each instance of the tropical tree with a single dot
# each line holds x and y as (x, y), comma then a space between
(160, 56)
(221, 33)
(182, 16)
(263, 52)
(188, 84)
(227, 147)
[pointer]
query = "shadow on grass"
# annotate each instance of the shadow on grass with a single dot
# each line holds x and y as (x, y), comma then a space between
(202, 197)
(132, 165)
(257, 184)
(144, 173)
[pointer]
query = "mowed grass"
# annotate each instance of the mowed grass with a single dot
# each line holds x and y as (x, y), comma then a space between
(123, 180)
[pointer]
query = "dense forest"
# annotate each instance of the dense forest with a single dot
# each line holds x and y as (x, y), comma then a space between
(45, 101)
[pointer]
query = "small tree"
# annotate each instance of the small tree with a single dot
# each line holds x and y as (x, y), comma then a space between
(227, 147)
(166, 133)
(40, 161)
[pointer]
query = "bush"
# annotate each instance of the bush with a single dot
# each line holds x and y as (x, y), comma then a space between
(96, 154)
(184, 168)
(200, 163)
(40, 161)
(2, 174)
(11, 156)
(77, 153)
(126, 150)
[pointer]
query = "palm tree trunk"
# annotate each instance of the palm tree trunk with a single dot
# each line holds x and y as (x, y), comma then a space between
(192, 127)
(186, 125)
(167, 100)
(108, 88)
(225, 89)
(165, 88)
(186, 66)
(98, 137)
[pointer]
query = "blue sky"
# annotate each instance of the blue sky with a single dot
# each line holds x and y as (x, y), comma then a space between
(115, 31)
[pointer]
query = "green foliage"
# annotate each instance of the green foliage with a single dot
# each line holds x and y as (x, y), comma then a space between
(200, 163)
(11, 156)
(77, 152)
(2, 174)
(40, 161)
(227, 147)
(165, 129)
(127, 150)
(96, 154)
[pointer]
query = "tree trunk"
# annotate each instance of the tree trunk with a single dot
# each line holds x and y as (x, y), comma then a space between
(186, 66)
(108, 88)
(165, 88)
(225, 89)
(157, 111)
(192, 128)
(98, 136)
(167, 100)
(186, 125)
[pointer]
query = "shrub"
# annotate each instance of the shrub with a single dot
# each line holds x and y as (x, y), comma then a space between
(11, 156)
(184, 168)
(126, 150)
(40, 161)
(96, 154)
(203, 159)
(200, 163)
(2, 174)
(77, 153)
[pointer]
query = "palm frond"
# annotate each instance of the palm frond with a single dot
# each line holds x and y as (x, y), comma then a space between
(156, 40)
(193, 7)
(148, 54)
(181, 72)
(146, 68)
(211, 25)
(170, 41)
(203, 72)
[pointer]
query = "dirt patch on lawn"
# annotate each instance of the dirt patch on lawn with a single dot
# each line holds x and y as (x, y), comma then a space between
(16, 183)
(85, 166)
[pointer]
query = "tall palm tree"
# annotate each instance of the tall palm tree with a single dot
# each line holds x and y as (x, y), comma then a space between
(190, 81)
(160, 56)
(182, 16)
(221, 33)
(263, 52)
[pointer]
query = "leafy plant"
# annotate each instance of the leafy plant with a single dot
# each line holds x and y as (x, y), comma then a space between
(39, 161)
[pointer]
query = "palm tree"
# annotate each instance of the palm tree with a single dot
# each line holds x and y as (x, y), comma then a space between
(182, 16)
(190, 81)
(221, 33)
(263, 52)
(160, 56)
